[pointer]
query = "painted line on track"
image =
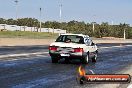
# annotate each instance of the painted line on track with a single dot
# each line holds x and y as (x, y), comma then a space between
(114, 46)
(22, 54)
(22, 59)
(46, 53)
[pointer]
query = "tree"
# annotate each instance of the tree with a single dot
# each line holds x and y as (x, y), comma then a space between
(101, 30)
(2, 21)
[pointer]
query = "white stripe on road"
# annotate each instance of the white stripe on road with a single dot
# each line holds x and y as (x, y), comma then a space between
(130, 86)
(22, 59)
(114, 46)
(23, 54)
(38, 53)
(110, 47)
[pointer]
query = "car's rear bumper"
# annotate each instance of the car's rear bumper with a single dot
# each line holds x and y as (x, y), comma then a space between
(73, 56)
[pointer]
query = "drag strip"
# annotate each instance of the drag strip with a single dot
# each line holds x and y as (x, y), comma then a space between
(40, 50)
(23, 54)
(22, 49)
(35, 70)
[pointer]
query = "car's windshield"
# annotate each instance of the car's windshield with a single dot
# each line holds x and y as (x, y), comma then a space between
(70, 39)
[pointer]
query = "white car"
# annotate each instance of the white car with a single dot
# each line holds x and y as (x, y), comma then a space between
(73, 46)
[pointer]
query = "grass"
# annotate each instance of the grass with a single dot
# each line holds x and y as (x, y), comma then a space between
(30, 35)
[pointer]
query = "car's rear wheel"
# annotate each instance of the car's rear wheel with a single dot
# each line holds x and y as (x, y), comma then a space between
(54, 60)
(67, 60)
(94, 59)
(85, 59)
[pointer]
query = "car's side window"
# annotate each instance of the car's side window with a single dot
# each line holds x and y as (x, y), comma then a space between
(92, 44)
(81, 40)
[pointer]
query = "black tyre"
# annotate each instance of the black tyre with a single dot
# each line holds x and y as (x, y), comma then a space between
(67, 60)
(94, 59)
(54, 60)
(81, 80)
(85, 59)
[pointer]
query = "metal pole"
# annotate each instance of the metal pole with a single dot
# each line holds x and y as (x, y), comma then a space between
(60, 14)
(16, 1)
(94, 23)
(112, 22)
(124, 34)
(40, 18)
(93, 27)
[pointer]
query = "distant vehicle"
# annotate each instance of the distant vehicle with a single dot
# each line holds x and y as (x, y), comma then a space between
(73, 46)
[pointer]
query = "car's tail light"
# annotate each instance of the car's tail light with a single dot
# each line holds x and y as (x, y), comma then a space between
(53, 48)
(78, 49)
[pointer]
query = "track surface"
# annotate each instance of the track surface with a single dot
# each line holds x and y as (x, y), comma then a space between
(37, 71)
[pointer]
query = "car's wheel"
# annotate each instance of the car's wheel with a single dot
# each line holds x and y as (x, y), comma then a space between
(85, 59)
(94, 59)
(54, 60)
(67, 60)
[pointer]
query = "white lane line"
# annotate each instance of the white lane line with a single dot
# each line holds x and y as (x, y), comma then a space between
(110, 47)
(114, 47)
(22, 59)
(22, 54)
(38, 53)
(130, 86)
(128, 45)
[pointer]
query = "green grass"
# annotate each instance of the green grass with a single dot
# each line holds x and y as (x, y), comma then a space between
(30, 35)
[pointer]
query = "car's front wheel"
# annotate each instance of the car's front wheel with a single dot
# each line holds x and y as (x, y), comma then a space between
(85, 59)
(94, 59)
(54, 60)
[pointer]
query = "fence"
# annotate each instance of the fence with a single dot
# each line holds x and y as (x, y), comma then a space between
(32, 29)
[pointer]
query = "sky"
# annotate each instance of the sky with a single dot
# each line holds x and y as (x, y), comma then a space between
(112, 11)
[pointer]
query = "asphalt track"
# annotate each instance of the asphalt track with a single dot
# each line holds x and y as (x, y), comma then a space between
(36, 70)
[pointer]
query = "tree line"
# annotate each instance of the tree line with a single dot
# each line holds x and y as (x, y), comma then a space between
(100, 30)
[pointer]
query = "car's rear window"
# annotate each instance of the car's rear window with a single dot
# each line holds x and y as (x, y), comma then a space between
(71, 38)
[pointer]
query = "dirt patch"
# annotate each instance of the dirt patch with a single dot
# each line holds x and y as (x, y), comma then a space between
(24, 42)
(112, 41)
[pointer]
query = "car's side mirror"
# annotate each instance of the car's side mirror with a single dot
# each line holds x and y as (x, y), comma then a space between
(92, 44)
